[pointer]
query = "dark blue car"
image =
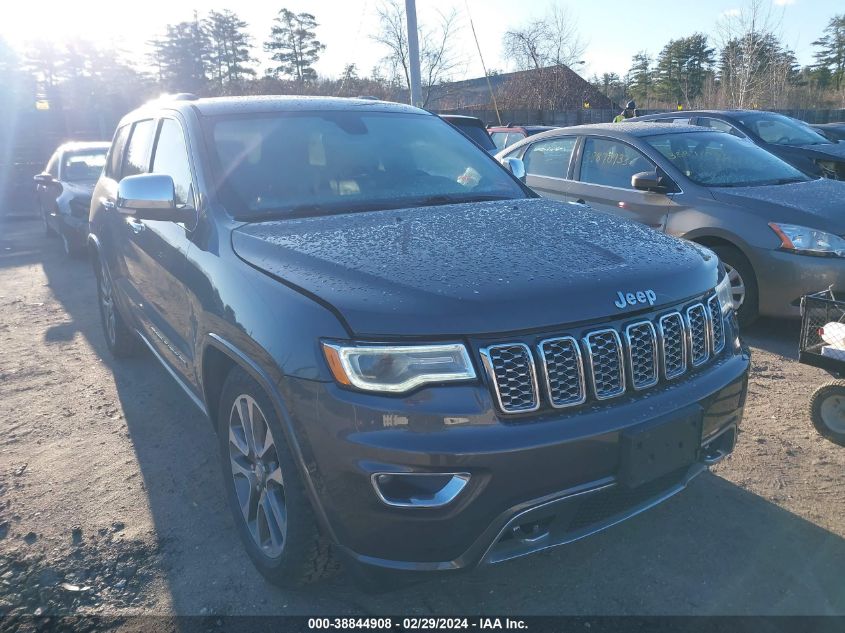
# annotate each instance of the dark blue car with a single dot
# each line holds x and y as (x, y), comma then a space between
(793, 141)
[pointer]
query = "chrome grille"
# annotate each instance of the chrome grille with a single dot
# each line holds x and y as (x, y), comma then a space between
(698, 326)
(604, 358)
(674, 347)
(661, 346)
(642, 354)
(717, 323)
(564, 371)
(512, 369)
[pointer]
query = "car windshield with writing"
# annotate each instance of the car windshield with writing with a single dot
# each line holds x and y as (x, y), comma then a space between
(312, 163)
(716, 159)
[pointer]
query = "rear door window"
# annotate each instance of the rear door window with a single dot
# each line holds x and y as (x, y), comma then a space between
(138, 151)
(722, 126)
(550, 157)
(611, 163)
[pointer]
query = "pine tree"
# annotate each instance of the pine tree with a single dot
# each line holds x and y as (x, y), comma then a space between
(294, 45)
(831, 50)
(640, 79)
(229, 47)
(183, 55)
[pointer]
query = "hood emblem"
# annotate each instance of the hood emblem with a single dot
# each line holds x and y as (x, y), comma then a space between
(633, 298)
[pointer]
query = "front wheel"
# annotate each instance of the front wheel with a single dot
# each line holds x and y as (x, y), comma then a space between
(744, 289)
(827, 411)
(266, 494)
(122, 341)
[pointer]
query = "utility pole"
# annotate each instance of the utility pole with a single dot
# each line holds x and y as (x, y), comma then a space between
(413, 52)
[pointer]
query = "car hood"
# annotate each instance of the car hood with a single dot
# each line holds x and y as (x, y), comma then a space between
(835, 151)
(816, 203)
(475, 268)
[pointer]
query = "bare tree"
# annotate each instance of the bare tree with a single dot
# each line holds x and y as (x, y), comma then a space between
(439, 59)
(752, 56)
(550, 41)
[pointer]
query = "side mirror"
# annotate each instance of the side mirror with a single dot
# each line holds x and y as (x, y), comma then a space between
(515, 166)
(648, 181)
(151, 197)
(43, 178)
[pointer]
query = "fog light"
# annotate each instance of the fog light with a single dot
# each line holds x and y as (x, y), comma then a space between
(419, 490)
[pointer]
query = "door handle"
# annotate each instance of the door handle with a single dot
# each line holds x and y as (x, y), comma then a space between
(581, 201)
(135, 225)
(108, 205)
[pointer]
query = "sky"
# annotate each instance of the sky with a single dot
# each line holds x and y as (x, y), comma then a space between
(613, 29)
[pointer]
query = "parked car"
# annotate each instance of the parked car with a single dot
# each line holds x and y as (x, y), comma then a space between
(473, 128)
(505, 136)
(793, 141)
(775, 229)
(406, 354)
(63, 191)
(831, 131)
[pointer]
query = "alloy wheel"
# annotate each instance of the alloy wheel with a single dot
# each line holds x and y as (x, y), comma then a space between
(107, 304)
(737, 286)
(257, 476)
(833, 413)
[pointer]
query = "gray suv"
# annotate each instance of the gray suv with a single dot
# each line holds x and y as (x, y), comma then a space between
(408, 358)
(777, 230)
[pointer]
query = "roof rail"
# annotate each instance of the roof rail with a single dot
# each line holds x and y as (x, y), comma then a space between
(184, 96)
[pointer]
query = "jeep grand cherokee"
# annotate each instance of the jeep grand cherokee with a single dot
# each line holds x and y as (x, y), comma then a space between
(408, 357)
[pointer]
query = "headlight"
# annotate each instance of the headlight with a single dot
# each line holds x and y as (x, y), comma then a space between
(397, 368)
(800, 239)
(723, 292)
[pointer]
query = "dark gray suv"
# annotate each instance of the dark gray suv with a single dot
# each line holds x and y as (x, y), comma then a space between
(408, 357)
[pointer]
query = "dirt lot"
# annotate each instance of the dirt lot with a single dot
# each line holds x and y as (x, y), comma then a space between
(111, 501)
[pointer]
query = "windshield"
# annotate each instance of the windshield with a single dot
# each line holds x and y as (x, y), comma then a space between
(336, 162)
(718, 159)
(83, 166)
(476, 132)
(781, 130)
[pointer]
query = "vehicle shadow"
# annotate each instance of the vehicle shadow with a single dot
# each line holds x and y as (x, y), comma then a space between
(778, 336)
(714, 549)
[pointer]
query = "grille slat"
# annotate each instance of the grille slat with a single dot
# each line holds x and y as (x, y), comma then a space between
(604, 358)
(564, 371)
(655, 348)
(672, 337)
(699, 340)
(718, 324)
(642, 354)
(512, 368)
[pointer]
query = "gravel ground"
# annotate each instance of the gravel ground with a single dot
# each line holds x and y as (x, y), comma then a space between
(111, 501)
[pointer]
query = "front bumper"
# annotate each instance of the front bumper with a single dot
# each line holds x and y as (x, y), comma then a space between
(558, 472)
(783, 278)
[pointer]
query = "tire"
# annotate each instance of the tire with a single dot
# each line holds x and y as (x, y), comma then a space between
(48, 230)
(827, 411)
(71, 250)
(739, 267)
(121, 340)
(290, 552)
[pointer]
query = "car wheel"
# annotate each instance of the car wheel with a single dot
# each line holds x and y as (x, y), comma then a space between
(48, 230)
(265, 492)
(122, 341)
(743, 283)
(827, 411)
(68, 246)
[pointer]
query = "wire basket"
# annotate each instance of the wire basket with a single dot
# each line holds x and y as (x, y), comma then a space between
(823, 331)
